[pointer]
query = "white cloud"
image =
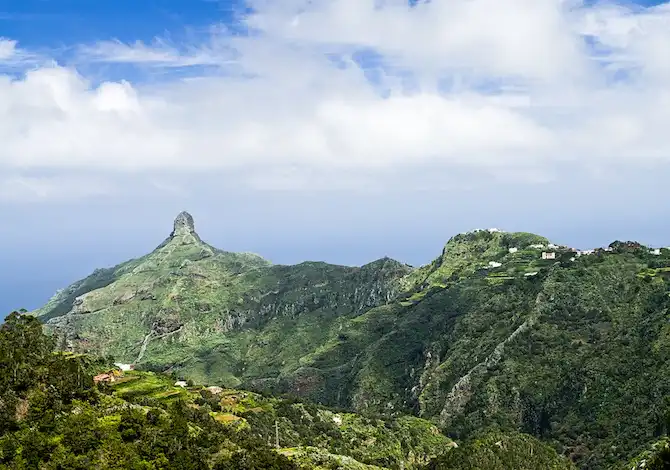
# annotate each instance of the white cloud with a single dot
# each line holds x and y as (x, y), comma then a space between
(527, 38)
(7, 48)
(159, 54)
(638, 40)
(524, 95)
(13, 57)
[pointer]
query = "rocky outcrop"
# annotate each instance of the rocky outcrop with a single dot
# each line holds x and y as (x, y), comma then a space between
(463, 390)
(183, 224)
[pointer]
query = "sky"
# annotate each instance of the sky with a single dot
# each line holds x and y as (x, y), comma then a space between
(334, 130)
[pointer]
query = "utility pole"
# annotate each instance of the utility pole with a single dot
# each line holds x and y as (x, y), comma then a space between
(276, 434)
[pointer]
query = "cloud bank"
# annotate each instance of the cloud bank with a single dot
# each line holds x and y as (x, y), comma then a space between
(346, 94)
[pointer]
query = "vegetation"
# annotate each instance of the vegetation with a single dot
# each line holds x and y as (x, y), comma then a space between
(192, 308)
(54, 417)
(657, 457)
(498, 451)
(574, 351)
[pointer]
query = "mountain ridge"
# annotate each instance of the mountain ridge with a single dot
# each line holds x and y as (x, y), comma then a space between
(502, 329)
(183, 262)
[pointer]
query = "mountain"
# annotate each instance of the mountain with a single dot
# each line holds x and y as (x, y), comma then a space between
(503, 332)
(191, 307)
(56, 413)
(71, 411)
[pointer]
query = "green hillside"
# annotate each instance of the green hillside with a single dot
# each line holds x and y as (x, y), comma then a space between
(188, 306)
(492, 335)
(53, 416)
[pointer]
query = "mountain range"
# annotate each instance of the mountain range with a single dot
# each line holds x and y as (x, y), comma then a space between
(502, 332)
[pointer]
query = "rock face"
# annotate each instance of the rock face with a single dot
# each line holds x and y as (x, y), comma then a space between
(183, 231)
(577, 353)
(183, 224)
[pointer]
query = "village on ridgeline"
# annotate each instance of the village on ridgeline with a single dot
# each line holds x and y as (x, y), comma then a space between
(552, 252)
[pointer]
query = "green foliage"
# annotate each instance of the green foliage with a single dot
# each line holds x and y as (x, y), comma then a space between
(497, 451)
(23, 348)
(574, 351)
(319, 459)
(655, 458)
(55, 418)
(190, 308)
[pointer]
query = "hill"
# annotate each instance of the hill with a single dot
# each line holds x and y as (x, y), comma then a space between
(502, 331)
(191, 307)
(58, 411)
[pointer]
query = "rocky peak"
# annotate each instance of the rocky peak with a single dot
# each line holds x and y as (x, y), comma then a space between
(183, 224)
(183, 231)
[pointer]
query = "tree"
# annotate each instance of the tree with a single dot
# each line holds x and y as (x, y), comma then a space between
(23, 352)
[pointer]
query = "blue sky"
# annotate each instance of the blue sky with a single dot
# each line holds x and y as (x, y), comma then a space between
(334, 130)
(49, 23)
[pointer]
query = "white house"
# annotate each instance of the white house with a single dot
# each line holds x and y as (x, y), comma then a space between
(655, 251)
(494, 264)
(536, 246)
(125, 367)
(180, 383)
(552, 246)
(513, 250)
(548, 255)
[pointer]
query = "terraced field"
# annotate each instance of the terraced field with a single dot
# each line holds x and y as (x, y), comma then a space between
(311, 435)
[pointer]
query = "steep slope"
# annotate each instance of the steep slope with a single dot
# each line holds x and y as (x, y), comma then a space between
(53, 415)
(502, 329)
(578, 354)
(500, 451)
(305, 432)
(382, 360)
(218, 316)
(59, 411)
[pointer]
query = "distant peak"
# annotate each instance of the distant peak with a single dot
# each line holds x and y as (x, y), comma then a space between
(183, 224)
(183, 231)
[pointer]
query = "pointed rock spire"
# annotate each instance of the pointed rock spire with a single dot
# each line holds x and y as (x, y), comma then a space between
(183, 224)
(183, 231)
